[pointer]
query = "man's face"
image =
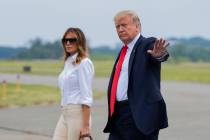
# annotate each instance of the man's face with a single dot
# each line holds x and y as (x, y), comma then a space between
(126, 29)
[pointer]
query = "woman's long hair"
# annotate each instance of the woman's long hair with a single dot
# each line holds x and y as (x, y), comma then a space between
(82, 48)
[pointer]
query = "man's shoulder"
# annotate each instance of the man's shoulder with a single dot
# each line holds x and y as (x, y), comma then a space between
(149, 39)
(146, 41)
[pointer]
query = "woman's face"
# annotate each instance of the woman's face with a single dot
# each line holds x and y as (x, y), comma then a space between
(70, 42)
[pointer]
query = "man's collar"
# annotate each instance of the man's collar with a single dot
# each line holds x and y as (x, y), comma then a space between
(133, 42)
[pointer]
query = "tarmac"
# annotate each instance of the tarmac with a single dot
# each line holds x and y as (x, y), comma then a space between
(188, 106)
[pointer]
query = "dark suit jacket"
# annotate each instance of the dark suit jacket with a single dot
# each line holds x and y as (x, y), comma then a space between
(145, 100)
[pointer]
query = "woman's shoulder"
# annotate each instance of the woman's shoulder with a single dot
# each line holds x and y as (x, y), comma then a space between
(86, 65)
(86, 61)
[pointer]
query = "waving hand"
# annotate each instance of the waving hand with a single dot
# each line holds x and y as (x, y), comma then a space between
(159, 48)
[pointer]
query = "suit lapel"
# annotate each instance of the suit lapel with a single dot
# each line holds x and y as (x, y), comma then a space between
(133, 54)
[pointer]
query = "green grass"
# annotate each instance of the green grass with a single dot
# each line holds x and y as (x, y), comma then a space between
(185, 72)
(37, 67)
(46, 67)
(103, 68)
(29, 95)
(190, 72)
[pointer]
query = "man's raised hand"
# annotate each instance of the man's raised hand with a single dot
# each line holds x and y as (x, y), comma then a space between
(159, 48)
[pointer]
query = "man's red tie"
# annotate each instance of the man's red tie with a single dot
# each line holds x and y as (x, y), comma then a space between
(116, 78)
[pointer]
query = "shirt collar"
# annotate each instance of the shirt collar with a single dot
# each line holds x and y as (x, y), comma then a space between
(73, 57)
(133, 42)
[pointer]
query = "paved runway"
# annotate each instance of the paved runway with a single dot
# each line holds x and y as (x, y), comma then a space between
(188, 107)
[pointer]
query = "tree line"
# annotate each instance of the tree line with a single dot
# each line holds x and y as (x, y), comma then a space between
(193, 49)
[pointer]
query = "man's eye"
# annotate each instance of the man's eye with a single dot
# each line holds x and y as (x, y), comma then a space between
(124, 25)
(118, 26)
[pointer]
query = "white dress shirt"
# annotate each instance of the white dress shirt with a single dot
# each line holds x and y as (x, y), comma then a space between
(75, 82)
(122, 86)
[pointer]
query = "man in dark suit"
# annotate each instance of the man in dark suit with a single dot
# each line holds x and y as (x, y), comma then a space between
(137, 110)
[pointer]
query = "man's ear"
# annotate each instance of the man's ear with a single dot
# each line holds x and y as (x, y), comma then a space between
(138, 27)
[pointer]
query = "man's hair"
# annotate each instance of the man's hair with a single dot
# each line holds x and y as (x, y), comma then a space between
(132, 14)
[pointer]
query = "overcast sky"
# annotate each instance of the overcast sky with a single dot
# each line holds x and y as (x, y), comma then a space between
(22, 20)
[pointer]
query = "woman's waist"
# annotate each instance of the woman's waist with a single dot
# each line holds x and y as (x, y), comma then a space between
(69, 93)
(70, 106)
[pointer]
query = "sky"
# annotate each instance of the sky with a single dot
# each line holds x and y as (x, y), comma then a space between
(24, 20)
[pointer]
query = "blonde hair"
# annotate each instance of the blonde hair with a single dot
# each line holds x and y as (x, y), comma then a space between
(81, 42)
(130, 13)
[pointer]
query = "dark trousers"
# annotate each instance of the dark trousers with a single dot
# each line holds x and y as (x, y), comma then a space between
(124, 127)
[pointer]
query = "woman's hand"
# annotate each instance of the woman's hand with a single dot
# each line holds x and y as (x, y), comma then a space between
(85, 131)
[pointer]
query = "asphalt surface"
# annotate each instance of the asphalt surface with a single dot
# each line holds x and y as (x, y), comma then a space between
(99, 83)
(188, 106)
